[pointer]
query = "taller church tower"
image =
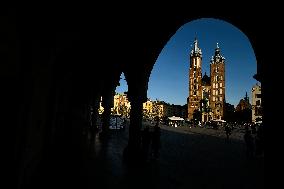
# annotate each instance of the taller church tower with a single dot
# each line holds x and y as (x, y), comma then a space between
(217, 96)
(195, 76)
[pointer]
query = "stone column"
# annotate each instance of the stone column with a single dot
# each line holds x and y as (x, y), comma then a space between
(135, 123)
(94, 117)
(107, 103)
(133, 150)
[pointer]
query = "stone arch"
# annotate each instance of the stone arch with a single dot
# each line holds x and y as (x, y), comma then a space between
(234, 24)
(244, 28)
(161, 28)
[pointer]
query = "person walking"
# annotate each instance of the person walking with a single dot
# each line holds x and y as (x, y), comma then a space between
(228, 131)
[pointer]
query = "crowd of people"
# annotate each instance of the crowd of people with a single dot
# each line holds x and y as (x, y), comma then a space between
(253, 137)
(254, 140)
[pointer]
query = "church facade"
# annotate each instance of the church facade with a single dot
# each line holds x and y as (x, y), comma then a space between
(206, 93)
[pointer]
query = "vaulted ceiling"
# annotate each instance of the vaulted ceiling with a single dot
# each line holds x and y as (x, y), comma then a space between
(99, 45)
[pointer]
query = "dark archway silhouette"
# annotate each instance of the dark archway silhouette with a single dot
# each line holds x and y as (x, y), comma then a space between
(64, 61)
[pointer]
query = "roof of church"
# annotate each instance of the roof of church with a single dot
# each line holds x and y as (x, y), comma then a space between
(206, 80)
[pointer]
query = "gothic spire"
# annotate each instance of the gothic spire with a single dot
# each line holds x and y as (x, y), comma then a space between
(217, 56)
(196, 51)
(246, 97)
(195, 45)
(217, 50)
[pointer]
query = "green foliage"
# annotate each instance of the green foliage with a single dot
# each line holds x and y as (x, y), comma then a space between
(197, 115)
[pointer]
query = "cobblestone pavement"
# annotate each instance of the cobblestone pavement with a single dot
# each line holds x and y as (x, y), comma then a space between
(237, 134)
(189, 158)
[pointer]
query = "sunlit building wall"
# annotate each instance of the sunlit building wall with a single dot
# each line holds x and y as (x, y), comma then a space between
(256, 103)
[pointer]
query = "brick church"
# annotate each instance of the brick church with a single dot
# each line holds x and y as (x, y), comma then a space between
(206, 93)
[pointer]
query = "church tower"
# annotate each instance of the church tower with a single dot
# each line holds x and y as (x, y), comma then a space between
(217, 96)
(195, 76)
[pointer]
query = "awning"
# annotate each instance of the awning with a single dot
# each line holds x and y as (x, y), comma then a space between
(174, 118)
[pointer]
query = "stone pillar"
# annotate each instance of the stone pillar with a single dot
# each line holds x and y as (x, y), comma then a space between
(107, 103)
(94, 117)
(135, 123)
(137, 94)
(133, 150)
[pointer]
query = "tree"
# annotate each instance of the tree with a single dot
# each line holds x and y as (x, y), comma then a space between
(123, 110)
(204, 107)
(243, 115)
(197, 115)
(229, 113)
(258, 119)
(146, 114)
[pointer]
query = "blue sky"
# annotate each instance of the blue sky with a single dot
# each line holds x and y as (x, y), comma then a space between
(169, 77)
